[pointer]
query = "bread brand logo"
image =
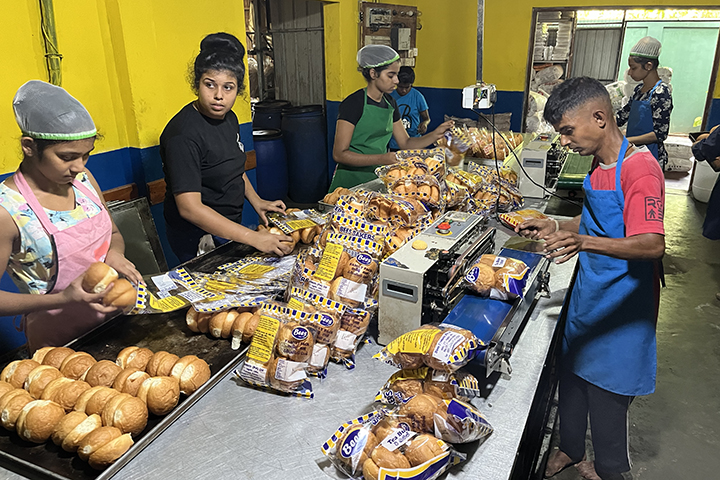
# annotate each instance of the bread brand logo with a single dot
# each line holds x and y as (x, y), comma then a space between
(472, 275)
(300, 333)
(326, 320)
(364, 259)
(354, 443)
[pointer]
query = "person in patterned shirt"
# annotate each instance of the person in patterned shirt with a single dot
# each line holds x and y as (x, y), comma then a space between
(647, 114)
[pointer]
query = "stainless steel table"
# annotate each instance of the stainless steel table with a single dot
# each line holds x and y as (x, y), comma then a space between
(238, 432)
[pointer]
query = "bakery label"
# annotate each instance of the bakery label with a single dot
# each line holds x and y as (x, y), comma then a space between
(289, 371)
(253, 373)
(446, 346)
(417, 341)
(319, 356)
(345, 340)
(261, 347)
(329, 262)
(254, 270)
(499, 262)
(398, 438)
(352, 290)
(296, 304)
(319, 288)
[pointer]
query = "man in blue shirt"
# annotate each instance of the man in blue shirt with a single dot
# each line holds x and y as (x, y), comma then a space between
(411, 104)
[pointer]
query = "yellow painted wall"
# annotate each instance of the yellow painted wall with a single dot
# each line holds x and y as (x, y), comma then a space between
(446, 45)
(125, 60)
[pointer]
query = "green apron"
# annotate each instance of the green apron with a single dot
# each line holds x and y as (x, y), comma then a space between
(370, 137)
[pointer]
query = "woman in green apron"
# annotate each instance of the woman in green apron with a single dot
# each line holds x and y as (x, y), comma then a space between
(368, 119)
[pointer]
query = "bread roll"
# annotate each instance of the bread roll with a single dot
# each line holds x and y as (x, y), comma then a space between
(5, 387)
(161, 363)
(161, 394)
(228, 323)
(95, 440)
(355, 446)
(15, 373)
(97, 402)
(84, 398)
(53, 386)
(76, 365)
(121, 295)
(40, 353)
(294, 342)
(111, 451)
(103, 373)
(56, 356)
(218, 328)
(191, 372)
(38, 419)
(125, 412)
(38, 379)
(134, 357)
(203, 322)
(441, 363)
(66, 425)
(68, 393)
(409, 361)
(360, 269)
(408, 387)
(250, 327)
(423, 448)
(370, 470)
(419, 412)
(122, 377)
(384, 458)
(191, 318)
(385, 427)
(238, 328)
(134, 381)
(275, 377)
(98, 276)
(73, 439)
(11, 404)
(325, 329)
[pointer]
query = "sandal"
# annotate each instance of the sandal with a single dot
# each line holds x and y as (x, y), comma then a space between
(556, 463)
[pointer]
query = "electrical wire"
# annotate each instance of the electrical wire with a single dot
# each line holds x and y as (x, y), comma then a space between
(512, 150)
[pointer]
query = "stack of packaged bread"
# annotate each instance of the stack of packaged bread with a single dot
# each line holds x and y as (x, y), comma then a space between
(422, 409)
(89, 407)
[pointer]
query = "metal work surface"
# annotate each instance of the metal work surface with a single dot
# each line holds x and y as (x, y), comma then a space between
(238, 432)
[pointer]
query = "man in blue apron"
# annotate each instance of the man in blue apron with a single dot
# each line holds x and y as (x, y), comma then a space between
(608, 350)
(647, 114)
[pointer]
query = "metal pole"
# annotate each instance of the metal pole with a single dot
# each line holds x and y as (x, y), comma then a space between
(480, 32)
(259, 47)
(52, 55)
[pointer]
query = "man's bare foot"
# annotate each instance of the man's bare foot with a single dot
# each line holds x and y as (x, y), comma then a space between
(557, 462)
(586, 469)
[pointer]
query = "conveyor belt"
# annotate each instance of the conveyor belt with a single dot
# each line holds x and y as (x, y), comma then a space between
(573, 172)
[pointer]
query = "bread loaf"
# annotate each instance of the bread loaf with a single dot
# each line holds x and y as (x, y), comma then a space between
(72, 440)
(423, 448)
(76, 365)
(121, 295)
(102, 373)
(11, 404)
(56, 356)
(5, 387)
(38, 379)
(161, 394)
(127, 413)
(134, 381)
(111, 451)
(294, 342)
(191, 372)
(68, 393)
(15, 373)
(98, 277)
(38, 419)
(134, 357)
(97, 402)
(419, 412)
(161, 364)
(66, 425)
(95, 440)
(40, 353)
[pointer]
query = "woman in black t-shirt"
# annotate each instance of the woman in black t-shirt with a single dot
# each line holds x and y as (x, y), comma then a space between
(204, 160)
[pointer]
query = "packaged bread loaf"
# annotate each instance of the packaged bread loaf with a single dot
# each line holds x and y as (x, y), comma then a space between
(405, 384)
(374, 447)
(353, 326)
(434, 160)
(332, 197)
(513, 219)
(441, 347)
(351, 226)
(497, 277)
(279, 352)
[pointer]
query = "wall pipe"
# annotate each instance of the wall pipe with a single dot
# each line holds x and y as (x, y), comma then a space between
(52, 55)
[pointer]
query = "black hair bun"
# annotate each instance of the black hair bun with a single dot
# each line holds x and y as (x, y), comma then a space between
(222, 42)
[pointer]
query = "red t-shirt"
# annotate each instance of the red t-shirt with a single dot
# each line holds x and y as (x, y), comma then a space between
(643, 186)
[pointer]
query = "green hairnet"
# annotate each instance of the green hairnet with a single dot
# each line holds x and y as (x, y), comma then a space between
(373, 56)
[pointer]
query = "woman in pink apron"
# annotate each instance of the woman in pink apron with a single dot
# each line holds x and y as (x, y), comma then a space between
(54, 223)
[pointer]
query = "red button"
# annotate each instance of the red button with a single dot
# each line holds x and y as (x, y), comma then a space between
(444, 226)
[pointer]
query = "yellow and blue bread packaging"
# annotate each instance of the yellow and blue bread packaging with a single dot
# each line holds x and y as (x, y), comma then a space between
(513, 219)
(434, 160)
(278, 356)
(441, 347)
(497, 277)
(405, 384)
(375, 447)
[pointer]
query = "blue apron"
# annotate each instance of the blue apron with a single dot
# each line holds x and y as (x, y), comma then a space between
(640, 120)
(609, 337)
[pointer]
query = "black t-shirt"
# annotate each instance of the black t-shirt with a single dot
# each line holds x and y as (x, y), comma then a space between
(351, 109)
(200, 154)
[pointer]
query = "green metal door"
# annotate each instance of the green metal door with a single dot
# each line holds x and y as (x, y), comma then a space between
(689, 49)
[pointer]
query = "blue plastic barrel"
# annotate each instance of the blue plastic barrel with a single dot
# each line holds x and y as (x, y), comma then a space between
(271, 170)
(304, 131)
(268, 114)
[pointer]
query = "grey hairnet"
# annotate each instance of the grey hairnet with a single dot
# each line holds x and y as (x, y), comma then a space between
(646, 47)
(372, 56)
(48, 112)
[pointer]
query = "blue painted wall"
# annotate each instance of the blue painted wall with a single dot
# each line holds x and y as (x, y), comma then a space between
(121, 167)
(714, 114)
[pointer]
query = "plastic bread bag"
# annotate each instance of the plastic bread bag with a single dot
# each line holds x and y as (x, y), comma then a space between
(307, 223)
(354, 227)
(471, 181)
(352, 205)
(405, 384)
(509, 195)
(441, 347)
(397, 238)
(424, 188)
(372, 447)
(171, 291)
(324, 322)
(487, 173)
(396, 210)
(333, 197)
(346, 269)
(410, 167)
(513, 219)
(353, 326)
(501, 278)
(433, 158)
(455, 194)
(277, 358)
